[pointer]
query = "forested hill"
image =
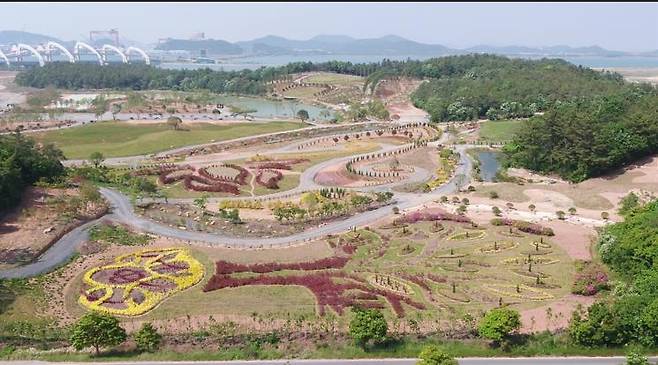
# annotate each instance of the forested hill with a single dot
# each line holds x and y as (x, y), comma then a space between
(589, 137)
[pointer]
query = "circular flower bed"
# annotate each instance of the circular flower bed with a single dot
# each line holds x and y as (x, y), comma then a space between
(139, 281)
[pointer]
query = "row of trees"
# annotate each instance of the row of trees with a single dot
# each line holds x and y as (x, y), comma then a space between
(22, 163)
(588, 137)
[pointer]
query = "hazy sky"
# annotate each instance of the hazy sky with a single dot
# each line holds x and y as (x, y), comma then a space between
(619, 26)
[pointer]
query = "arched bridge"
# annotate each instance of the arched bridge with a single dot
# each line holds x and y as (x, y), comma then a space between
(44, 53)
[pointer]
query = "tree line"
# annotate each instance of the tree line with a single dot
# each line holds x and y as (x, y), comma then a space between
(22, 163)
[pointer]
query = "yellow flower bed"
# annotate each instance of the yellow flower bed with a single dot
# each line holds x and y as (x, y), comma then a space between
(143, 261)
(443, 173)
(526, 292)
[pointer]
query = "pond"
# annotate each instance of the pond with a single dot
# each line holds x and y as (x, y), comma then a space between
(266, 108)
(489, 164)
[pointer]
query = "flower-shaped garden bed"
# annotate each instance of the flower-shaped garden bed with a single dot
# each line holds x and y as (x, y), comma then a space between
(139, 281)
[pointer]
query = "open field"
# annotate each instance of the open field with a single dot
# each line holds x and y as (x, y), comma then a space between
(117, 139)
(499, 130)
(335, 79)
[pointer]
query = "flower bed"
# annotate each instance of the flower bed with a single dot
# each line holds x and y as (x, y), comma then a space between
(468, 236)
(590, 279)
(524, 226)
(497, 247)
(271, 181)
(139, 281)
(327, 291)
(335, 262)
(204, 184)
(421, 216)
(222, 173)
(524, 292)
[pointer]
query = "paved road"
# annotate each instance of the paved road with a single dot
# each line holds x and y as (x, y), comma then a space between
(618, 360)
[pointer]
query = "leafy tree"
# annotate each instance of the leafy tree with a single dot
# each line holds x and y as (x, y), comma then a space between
(560, 214)
(433, 355)
(499, 324)
(96, 158)
(174, 122)
(367, 325)
(147, 338)
(628, 203)
(496, 211)
(493, 195)
(302, 114)
(22, 163)
(99, 105)
(115, 109)
(97, 330)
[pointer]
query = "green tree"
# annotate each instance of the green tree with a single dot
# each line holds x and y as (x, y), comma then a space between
(433, 355)
(628, 203)
(96, 158)
(174, 122)
(99, 105)
(496, 211)
(97, 330)
(302, 114)
(115, 109)
(147, 338)
(367, 325)
(499, 324)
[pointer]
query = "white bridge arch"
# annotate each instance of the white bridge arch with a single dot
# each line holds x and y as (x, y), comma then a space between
(110, 47)
(51, 45)
(4, 57)
(22, 46)
(130, 50)
(79, 45)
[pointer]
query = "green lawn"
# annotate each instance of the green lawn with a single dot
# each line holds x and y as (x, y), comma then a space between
(499, 130)
(118, 139)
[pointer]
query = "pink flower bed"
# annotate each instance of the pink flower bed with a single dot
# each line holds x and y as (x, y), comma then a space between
(424, 216)
(590, 279)
(523, 226)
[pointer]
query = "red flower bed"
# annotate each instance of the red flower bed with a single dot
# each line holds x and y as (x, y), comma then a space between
(335, 262)
(348, 249)
(416, 279)
(273, 165)
(240, 178)
(272, 182)
(326, 291)
(437, 279)
(523, 226)
(209, 185)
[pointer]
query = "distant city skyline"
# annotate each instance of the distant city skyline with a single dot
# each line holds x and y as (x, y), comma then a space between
(630, 27)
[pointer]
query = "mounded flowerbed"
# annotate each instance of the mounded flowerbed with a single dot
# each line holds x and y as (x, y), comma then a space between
(139, 281)
(524, 292)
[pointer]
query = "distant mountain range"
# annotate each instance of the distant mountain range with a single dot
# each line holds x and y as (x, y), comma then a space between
(390, 45)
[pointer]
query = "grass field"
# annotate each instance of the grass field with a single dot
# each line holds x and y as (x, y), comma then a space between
(499, 130)
(118, 139)
(335, 79)
(303, 92)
